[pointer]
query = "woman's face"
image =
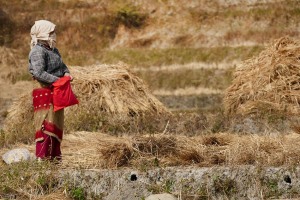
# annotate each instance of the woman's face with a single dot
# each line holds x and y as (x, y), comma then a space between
(52, 39)
(52, 34)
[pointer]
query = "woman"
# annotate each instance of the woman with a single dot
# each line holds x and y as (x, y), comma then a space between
(46, 67)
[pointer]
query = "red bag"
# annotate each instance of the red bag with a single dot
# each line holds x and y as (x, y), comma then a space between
(63, 95)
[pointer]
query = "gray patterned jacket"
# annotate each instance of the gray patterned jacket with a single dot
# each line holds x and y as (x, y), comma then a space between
(46, 64)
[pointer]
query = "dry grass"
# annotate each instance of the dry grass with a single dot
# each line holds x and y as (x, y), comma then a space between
(29, 181)
(79, 150)
(265, 89)
(208, 150)
(18, 124)
(147, 57)
(183, 78)
(53, 196)
(269, 80)
(12, 66)
(94, 150)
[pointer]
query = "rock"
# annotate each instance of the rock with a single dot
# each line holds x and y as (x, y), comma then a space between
(16, 155)
(164, 196)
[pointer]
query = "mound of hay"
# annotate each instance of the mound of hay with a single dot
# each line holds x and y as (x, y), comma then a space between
(114, 89)
(111, 99)
(268, 83)
(272, 79)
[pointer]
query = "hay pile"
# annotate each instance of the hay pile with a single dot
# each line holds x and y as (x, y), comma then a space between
(267, 83)
(114, 89)
(111, 99)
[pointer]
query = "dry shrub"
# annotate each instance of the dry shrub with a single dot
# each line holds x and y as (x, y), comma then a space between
(267, 84)
(111, 99)
(173, 150)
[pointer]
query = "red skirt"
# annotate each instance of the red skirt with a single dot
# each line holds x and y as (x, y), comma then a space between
(48, 125)
(48, 148)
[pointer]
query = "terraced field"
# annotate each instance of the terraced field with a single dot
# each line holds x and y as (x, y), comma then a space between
(186, 53)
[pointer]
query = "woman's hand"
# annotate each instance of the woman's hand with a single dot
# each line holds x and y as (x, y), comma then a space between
(71, 77)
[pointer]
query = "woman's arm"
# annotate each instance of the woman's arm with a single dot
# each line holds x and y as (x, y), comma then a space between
(37, 67)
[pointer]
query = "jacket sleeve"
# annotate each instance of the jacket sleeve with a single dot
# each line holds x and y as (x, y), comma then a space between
(64, 67)
(37, 67)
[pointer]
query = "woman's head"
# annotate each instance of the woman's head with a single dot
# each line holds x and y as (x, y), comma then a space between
(43, 30)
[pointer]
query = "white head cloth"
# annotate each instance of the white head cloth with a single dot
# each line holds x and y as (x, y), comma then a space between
(41, 31)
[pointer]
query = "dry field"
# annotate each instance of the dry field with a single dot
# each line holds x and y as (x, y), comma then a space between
(196, 84)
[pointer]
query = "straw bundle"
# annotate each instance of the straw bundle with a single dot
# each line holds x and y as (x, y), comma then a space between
(18, 125)
(111, 99)
(114, 89)
(269, 82)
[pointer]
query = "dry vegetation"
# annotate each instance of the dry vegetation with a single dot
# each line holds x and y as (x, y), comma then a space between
(122, 123)
(36, 181)
(267, 86)
(205, 151)
(270, 79)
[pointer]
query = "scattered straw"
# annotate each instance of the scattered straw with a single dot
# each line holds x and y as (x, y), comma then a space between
(94, 150)
(208, 150)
